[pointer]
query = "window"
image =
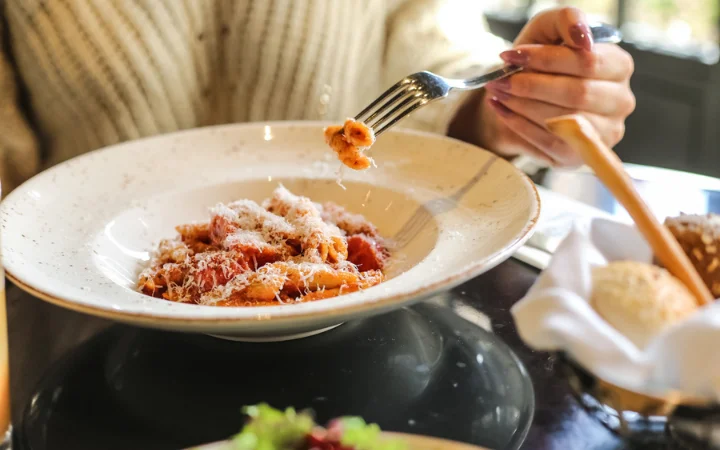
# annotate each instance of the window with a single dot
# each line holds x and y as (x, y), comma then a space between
(679, 26)
(603, 10)
(682, 27)
(510, 7)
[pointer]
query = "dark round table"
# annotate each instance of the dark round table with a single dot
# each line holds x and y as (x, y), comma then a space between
(40, 334)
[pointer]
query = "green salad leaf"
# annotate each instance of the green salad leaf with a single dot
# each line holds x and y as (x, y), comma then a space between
(363, 436)
(273, 429)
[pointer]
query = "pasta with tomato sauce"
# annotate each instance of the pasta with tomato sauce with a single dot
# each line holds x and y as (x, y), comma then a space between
(287, 249)
(349, 141)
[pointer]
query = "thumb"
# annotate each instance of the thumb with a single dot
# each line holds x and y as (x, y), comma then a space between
(567, 26)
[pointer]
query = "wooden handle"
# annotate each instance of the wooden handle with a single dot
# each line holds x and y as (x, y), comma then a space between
(581, 136)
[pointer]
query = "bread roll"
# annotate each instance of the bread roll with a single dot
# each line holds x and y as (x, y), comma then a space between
(639, 300)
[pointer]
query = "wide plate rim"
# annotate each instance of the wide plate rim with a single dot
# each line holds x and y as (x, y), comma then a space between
(158, 319)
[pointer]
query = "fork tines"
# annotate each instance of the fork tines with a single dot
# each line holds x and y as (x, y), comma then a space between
(394, 104)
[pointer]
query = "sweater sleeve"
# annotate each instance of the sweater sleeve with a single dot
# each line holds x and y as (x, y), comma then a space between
(19, 153)
(446, 37)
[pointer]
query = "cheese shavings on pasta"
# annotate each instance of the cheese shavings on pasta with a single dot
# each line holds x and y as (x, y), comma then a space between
(285, 250)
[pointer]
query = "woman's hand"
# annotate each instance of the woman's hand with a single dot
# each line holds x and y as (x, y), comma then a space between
(575, 77)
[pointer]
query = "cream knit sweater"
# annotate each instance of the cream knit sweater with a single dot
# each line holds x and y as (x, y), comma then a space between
(103, 71)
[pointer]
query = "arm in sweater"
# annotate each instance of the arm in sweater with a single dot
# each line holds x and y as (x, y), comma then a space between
(19, 154)
(447, 37)
(419, 36)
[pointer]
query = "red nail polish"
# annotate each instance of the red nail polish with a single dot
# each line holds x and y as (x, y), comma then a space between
(500, 95)
(502, 84)
(500, 108)
(516, 57)
(581, 36)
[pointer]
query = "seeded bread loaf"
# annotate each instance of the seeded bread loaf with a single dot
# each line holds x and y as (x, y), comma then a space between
(699, 237)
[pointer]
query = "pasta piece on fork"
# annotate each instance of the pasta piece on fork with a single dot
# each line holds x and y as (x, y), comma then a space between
(349, 142)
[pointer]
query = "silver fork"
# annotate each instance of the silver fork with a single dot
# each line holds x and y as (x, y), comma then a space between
(421, 88)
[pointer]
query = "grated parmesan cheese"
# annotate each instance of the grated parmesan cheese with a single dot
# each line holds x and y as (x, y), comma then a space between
(287, 249)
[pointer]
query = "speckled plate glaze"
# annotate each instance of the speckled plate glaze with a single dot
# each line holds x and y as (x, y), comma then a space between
(77, 235)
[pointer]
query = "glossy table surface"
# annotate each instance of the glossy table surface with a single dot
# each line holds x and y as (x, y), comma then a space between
(40, 334)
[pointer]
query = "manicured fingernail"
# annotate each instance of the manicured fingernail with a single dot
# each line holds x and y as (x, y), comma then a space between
(502, 84)
(500, 108)
(500, 95)
(581, 36)
(516, 57)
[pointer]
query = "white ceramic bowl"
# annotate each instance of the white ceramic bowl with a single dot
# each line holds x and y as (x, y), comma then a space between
(78, 234)
(414, 442)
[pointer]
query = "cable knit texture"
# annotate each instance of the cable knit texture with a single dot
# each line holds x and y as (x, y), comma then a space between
(100, 72)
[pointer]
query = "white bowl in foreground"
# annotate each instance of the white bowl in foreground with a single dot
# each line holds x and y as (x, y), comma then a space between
(78, 234)
(413, 442)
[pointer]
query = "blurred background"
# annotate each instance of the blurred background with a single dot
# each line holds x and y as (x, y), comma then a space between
(675, 44)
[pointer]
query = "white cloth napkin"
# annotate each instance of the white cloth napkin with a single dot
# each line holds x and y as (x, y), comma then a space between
(556, 315)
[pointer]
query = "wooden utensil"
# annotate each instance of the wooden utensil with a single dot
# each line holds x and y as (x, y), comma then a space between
(582, 136)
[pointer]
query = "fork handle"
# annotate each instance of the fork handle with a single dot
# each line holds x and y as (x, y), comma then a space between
(602, 34)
